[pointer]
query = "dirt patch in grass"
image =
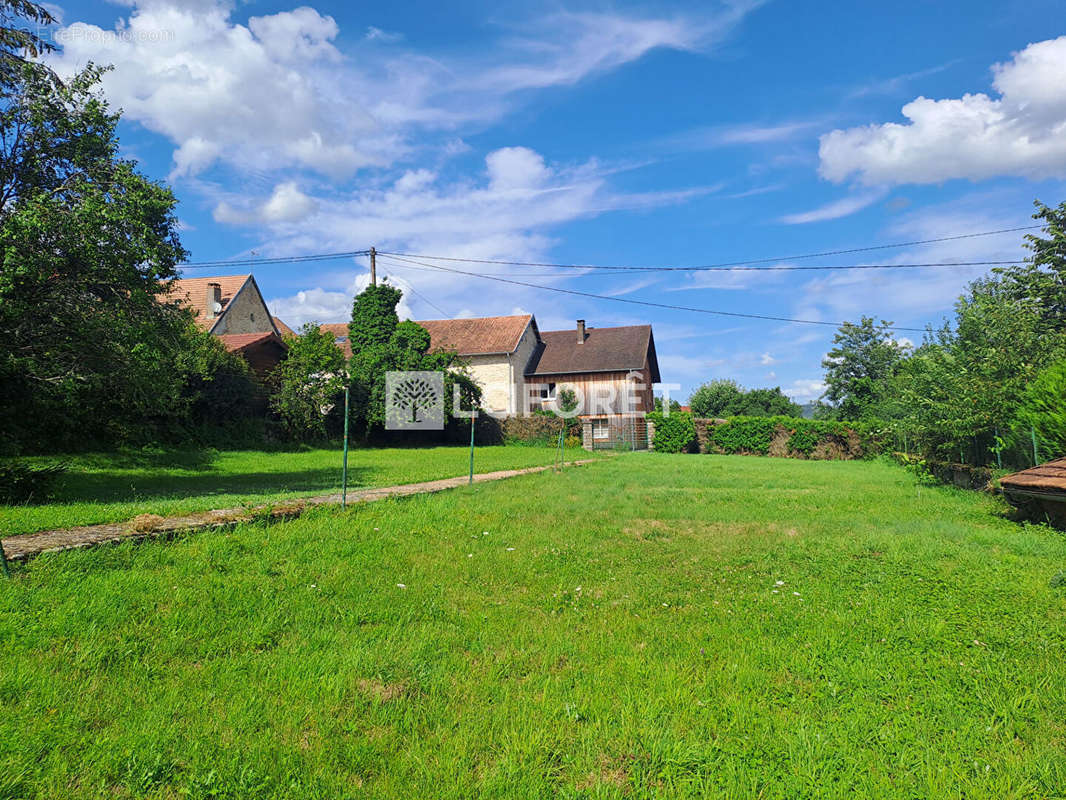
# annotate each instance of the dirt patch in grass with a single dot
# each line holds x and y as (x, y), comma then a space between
(382, 692)
(647, 530)
(610, 773)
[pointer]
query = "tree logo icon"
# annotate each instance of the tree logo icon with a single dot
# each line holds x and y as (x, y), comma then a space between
(414, 400)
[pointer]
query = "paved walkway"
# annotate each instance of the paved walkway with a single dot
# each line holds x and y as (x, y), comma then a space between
(33, 544)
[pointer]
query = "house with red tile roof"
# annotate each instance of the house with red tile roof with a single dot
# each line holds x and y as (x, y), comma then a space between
(232, 308)
(521, 368)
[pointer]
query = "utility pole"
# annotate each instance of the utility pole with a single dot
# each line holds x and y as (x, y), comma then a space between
(373, 267)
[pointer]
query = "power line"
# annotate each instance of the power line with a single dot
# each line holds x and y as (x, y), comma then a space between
(425, 299)
(630, 301)
(735, 265)
(255, 262)
(731, 264)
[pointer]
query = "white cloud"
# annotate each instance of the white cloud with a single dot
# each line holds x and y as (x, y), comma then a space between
(766, 359)
(805, 390)
(1020, 132)
(277, 93)
(378, 35)
(286, 204)
(321, 305)
(834, 210)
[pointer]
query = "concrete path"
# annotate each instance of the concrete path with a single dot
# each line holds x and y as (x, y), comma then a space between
(147, 525)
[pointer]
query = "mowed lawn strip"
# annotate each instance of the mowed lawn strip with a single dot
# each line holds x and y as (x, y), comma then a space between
(114, 488)
(647, 626)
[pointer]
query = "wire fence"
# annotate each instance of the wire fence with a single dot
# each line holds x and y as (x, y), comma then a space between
(1008, 447)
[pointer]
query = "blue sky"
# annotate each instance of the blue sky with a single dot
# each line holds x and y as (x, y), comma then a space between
(634, 134)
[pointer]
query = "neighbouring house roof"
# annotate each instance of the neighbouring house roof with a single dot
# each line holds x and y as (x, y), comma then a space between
(236, 342)
(283, 329)
(1046, 479)
(340, 336)
(477, 336)
(618, 349)
(192, 292)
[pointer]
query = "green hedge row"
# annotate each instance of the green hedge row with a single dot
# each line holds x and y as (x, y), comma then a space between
(794, 437)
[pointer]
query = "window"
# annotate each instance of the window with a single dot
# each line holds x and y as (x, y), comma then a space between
(601, 429)
(340, 340)
(547, 392)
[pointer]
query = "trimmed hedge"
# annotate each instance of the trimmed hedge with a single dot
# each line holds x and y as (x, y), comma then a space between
(790, 437)
(675, 433)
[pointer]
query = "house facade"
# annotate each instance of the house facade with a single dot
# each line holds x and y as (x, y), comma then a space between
(520, 368)
(497, 350)
(610, 371)
(232, 308)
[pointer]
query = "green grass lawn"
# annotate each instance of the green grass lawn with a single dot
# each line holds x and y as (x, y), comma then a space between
(114, 488)
(646, 626)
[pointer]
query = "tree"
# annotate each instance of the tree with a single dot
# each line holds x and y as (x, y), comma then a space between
(16, 43)
(308, 384)
(218, 387)
(719, 398)
(858, 369)
(1041, 280)
(87, 245)
(726, 398)
(380, 344)
(1043, 409)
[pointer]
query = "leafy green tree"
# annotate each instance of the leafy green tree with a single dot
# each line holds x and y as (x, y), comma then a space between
(726, 398)
(20, 44)
(87, 245)
(967, 380)
(308, 385)
(218, 387)
(769, 403)
(719, 399)
(657, 405)
(859, 368)
(1041, 280)
(1043, 409)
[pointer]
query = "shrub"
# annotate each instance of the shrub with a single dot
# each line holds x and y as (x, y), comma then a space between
(1044, 409)
(23, 483)
(536, 429)
(673, 434)
(745, 435)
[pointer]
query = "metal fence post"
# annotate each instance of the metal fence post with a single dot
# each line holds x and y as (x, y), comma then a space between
(344, 469)
(473, 419)
(1036, 453)
(999, 451)
(3, 561)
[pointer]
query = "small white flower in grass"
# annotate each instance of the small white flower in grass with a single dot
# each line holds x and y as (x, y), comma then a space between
(577, 589)
(796, 593)
(779, 583)
(484, 533)
(509, 549)
(401, 585)
(776, 592)
(313, 585)
(377, 529)
(469, 555)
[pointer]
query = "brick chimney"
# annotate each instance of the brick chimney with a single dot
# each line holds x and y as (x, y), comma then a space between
(581, 331)
(214, 297)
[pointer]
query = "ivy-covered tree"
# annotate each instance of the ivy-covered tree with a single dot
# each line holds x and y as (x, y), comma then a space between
(380, 344)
